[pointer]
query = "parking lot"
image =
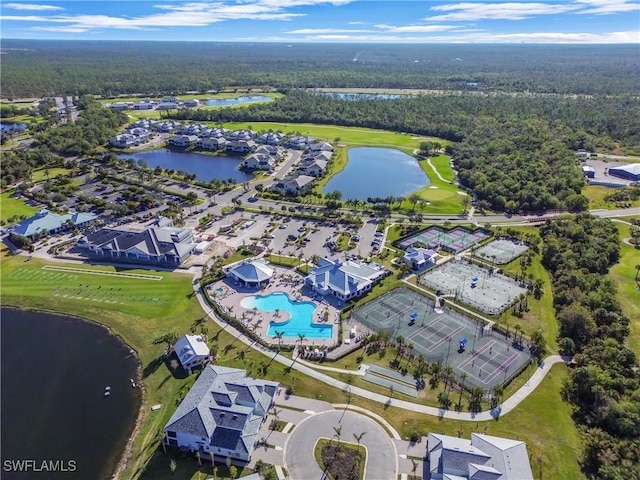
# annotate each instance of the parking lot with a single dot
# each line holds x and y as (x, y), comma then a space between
(282, 235)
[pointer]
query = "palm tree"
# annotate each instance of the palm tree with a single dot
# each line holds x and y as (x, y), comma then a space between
(518, 329)
(338, 432)
(172, 466)
(301, 336)
(498, 391)
(447, 374)
(358, 438)
(463, 377)
(279, 336)
(198, 457)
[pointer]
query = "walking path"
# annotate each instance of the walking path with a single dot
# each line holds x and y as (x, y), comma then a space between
(506, 407)
(435, 170)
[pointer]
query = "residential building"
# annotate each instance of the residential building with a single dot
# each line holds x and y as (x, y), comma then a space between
(191, 103)
(276, 152)
(240, 146)
(192, 351)
(321, 147)
(183, 140)
(315, 168)
(483, 457)
(166, 246)
(46, 222)
(420, 258)
(143, 105)
(322, 155)
(119, 106)
(170, 100)
(270, 138)
(295, 185)
(211, 143)
(258, 161)
(251, 273)
(222, 414)
(124, 140)
(238, 135)
(298, 142)
(344, 279)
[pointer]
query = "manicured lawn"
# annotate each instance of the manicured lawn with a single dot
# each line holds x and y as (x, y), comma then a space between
(10, 206)
(41, 174)
(624, 274)
(442, 163)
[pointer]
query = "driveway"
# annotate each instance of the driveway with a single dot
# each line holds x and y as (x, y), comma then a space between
(381, 461)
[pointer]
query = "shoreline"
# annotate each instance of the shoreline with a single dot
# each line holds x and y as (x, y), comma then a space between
(126, 453)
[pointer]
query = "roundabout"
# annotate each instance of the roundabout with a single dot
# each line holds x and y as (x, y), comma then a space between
(381, 462)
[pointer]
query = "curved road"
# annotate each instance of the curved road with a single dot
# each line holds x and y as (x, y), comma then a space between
(508, 405)
(382, 456)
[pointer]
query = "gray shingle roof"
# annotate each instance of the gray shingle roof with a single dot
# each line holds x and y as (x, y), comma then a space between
(211, 408)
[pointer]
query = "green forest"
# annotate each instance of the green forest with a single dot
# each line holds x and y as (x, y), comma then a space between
(34, 68)
(603, 387)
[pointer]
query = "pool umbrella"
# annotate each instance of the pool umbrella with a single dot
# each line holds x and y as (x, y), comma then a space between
(474, 279)
(414, 315)
(463, 341)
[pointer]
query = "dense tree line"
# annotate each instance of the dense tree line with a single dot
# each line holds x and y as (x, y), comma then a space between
(515, 154)
(37, 68)
(604, 386)
(94, 126)
(19, 164)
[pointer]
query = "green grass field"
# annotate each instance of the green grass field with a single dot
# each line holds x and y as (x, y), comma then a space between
(10, 206)
(40, 175)
(624, 274)
(596, 195)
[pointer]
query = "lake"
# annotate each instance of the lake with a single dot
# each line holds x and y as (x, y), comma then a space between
(12, 127)
(54, 372)
(377, 172)
(226, 102)
(206, 167)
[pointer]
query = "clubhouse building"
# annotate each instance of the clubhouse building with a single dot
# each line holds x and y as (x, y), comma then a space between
(344, 279)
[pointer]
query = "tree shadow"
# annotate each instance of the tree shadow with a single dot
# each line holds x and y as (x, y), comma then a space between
(152, 366)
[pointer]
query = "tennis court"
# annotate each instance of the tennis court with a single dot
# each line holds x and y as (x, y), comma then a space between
(453, 241)
(443, 336)
(474, 285)
(502, 250)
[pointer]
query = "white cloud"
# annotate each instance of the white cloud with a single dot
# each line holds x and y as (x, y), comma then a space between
(467, 37)
(315, 31)
(31, 6)
(60, 29)
(357, 23)
(463, 12)
(415, 28)
(604, 7)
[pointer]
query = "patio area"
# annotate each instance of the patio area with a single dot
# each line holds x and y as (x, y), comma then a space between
(230, 294)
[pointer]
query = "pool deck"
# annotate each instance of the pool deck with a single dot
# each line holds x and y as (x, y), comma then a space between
(287, 281)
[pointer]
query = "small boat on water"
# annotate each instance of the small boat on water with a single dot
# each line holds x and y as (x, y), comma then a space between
(107, 393)
(133, 384)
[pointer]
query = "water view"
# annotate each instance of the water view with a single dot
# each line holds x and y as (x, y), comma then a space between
(54, 373)
(206, 167)
(12, 127)
(378, 172)
(226, 102)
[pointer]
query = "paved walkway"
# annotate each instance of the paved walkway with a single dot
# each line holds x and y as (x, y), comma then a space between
(506, 407)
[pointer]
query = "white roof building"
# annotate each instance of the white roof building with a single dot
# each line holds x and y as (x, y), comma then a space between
(191, 350)
(420, 257)
(483, 457)
(344, 279)
(251, 273)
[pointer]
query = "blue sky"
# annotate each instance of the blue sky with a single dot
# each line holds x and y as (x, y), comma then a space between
(292, 21)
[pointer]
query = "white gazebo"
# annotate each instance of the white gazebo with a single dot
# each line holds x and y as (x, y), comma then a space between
(191, 350)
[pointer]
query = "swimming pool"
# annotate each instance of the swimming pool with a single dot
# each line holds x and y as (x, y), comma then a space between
(301, 316)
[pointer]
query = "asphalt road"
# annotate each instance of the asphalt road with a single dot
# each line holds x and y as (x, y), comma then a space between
(382, 457)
